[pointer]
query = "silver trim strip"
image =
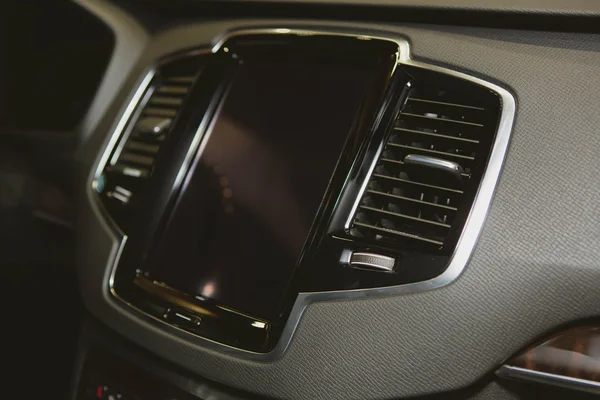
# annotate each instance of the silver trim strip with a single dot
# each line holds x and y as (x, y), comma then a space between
(125, 117)
(139, 109)
(465, 244)
(371, 171)
(508, 371)
(433, 162)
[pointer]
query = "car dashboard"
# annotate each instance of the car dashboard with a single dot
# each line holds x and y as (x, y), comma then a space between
(341, 200)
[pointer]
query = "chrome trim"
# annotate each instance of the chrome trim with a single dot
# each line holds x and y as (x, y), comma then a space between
(508, 371)
(122, 124)
(371, 171)
(363, 187)
(465, 244)
(345, 256)
(433, 162)
(139, 109)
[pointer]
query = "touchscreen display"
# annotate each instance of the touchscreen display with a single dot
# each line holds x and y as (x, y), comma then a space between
(247, 207)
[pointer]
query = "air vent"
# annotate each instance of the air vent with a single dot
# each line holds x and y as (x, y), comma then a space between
(135, 156)
(148, 130)
(423, 185)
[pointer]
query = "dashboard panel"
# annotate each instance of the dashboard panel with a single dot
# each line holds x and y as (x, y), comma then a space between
(533, 267)
(223, 247)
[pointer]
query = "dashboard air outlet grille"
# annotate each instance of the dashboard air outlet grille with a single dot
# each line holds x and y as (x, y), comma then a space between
(425, 179)
(137, 153)
(148, 130)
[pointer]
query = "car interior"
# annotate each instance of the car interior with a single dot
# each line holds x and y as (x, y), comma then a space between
(300, 199)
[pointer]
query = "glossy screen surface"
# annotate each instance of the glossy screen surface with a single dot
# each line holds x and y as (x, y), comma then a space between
(247, 208)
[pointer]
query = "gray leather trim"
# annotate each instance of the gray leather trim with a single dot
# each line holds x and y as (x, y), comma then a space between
(535, 265)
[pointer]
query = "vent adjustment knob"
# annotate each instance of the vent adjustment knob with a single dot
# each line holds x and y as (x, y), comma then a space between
(433, 170)
(365, 260)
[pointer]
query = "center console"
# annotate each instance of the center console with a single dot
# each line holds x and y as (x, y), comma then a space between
(286, 165)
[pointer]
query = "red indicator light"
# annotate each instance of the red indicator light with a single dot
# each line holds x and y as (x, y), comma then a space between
(99, 392)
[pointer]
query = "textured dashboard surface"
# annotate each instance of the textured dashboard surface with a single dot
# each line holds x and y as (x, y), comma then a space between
(535, 265)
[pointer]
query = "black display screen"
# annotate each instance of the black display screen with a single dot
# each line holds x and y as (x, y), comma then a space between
(247, 207)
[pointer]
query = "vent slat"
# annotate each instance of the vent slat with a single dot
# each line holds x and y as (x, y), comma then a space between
(418, 183)
(142, 147)
(398, 233)
(145, 139)
(427, 203)
(436, 135)
(418, 149)
(137, 159)
(399, 215)
(160, 112)
(392, 161)
(441, 119)
(446, 104)
(182, 90)
(181, 79)
(129, 170)
(166, 101)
